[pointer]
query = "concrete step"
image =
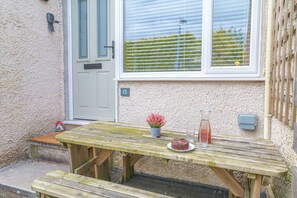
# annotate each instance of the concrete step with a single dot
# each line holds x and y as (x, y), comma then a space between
(46, 147)
(16, 179)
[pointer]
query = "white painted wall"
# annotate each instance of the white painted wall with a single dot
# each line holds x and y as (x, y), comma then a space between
(181, 102)
(31, 74)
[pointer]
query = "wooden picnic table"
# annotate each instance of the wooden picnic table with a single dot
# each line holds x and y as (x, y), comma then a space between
(91, 146)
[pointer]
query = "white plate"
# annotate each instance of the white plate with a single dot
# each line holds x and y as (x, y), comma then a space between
(191, 147)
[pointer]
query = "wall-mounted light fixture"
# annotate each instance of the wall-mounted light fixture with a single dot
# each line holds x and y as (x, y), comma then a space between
(50, 21)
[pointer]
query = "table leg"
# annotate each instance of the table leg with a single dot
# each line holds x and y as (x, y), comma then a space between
(231, 195)
(96, 172)
(94, 164)
(128, 170)
(102, 163)
(128, 166)
(77, 156)
(104, 170)
(246, 186)
(256, 187)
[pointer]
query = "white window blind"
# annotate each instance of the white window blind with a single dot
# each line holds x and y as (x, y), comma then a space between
(231, 33)
(162, 35)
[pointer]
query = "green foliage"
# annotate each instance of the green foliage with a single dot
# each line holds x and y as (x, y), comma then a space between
(229, 47)
(160, 53)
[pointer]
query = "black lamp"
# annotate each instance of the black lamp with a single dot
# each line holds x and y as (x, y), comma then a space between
(50, 21)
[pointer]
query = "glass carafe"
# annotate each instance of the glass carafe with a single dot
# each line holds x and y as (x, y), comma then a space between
(204, 129)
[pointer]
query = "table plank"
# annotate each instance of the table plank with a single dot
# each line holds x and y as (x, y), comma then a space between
(252, 155)
(210, 151)
(231, 148)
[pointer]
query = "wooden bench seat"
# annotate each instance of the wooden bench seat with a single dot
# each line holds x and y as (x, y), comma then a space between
(68, 185)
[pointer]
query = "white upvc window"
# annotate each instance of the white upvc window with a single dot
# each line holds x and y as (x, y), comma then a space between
(188, 39)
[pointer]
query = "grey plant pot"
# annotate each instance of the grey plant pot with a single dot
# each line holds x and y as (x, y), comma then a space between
(156, 132)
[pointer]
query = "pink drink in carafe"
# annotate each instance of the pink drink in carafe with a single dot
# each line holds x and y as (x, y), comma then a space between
(204, 129)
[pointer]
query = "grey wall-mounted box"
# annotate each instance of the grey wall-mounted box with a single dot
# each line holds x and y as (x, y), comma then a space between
(247, 121)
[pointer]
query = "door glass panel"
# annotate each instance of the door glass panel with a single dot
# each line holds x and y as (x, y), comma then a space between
(83, 28)
(102, 27)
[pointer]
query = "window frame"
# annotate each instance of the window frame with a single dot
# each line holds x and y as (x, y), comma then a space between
(251, 72)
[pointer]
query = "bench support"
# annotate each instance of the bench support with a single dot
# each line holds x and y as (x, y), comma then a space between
(128, 165)
(229, 181)
(251, 184)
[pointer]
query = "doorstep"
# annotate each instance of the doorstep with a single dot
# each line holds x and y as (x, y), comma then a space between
(47, 139)
(77, 122)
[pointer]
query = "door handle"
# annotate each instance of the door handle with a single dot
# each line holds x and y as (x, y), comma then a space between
(112, 46)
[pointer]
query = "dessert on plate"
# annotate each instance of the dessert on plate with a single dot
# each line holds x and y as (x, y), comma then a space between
(180, 144)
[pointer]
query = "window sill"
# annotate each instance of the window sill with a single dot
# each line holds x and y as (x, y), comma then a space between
(234, 75)
(209, 78)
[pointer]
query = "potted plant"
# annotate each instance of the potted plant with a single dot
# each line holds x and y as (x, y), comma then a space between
(156, 121)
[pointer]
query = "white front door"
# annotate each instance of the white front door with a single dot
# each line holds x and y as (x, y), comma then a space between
(93, 59)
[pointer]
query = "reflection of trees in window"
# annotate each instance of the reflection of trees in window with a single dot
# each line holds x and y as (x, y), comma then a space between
(159, 53)
(231, 34)
(230, 46)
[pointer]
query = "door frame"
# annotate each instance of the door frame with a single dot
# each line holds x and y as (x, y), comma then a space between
(68, 63)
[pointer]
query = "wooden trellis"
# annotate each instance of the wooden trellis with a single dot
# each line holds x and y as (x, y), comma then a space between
(284, 69)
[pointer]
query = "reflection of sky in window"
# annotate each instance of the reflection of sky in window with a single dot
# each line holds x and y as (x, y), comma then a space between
(155, 18)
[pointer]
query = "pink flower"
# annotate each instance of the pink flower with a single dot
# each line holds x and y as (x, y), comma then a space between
(156, 120)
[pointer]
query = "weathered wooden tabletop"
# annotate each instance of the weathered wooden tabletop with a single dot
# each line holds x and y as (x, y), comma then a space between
(250, 155)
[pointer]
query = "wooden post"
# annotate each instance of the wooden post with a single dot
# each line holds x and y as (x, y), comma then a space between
(77, 156)
(246, 186)
(128, 171)
(231, 195)
(104, 171)
(103, 164)
(128, 166)
(96, 172)
(256, 187)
